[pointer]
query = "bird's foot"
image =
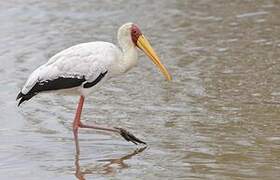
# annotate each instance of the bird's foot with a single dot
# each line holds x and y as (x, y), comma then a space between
(129, 137)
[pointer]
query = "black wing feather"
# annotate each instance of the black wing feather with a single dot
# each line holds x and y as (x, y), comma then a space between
(56, 84)
(90, 84)
(50, 85)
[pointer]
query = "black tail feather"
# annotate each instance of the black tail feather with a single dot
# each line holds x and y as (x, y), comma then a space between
(24, 97)
(21, 101)
(20, 95)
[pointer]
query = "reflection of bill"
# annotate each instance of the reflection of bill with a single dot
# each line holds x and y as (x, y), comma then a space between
(106, 168)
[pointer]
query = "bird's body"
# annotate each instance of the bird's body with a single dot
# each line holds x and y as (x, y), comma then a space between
(80, 69)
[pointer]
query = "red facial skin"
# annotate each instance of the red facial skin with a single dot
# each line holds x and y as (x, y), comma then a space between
(135, 33)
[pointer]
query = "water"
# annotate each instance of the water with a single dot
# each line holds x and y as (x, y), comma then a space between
(218, 118)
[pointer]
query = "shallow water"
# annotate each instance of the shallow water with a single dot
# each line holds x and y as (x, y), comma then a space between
(218, 118)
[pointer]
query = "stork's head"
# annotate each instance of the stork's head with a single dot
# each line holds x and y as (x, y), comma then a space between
(129, 34)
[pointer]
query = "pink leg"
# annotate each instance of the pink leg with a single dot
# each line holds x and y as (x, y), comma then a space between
(99, 128)
(77, 124)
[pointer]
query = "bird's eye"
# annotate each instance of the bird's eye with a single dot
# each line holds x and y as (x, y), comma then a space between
(134, 31)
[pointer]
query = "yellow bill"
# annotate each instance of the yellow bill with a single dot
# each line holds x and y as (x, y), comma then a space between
(144, 44)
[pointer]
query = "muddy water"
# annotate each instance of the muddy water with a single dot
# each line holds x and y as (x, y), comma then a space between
(218, 119)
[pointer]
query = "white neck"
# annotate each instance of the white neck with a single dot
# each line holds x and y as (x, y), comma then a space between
(129, 54)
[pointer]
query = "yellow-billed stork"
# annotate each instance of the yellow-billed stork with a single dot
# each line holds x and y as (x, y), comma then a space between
(82, 68)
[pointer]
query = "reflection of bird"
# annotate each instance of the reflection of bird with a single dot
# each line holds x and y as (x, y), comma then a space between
(82, 68)
(120, 161)
(107, 168)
